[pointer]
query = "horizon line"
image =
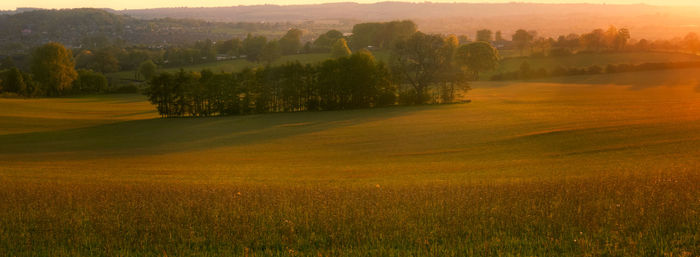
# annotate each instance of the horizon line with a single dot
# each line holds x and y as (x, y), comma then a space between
(18, 8)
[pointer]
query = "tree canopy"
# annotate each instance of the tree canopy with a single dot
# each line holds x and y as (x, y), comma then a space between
(340, 48)
(477, 57)
(53, 67)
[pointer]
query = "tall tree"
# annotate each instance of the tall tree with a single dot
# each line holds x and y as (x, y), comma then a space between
(340, 48)
(417, 61)
(13, 81)
(478, 57)
(270, 52)
(231, 47)
(484, 35)
(89, 82)
(253, 47)
(290, 43)
(325, 41)
(104, 60)
(499, 37)
(53, 66)
(147, 69)
(522, 40)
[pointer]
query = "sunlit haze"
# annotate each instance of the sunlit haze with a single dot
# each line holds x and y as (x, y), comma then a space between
(135, 4)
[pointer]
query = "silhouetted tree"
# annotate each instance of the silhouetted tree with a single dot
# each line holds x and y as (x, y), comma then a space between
(478, 57)
(380, 34)
(417, 61)
(522, 40)
(484, 35)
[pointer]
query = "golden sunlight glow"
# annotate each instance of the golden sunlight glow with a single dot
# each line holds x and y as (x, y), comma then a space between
(137, 4)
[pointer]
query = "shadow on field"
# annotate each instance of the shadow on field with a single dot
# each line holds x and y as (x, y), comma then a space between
(157, 136)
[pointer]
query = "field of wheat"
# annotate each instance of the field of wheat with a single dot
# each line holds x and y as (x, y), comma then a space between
(593, 166)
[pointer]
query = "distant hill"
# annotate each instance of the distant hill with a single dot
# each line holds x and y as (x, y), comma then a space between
(461, 18)
(94, 27)
(27, 27)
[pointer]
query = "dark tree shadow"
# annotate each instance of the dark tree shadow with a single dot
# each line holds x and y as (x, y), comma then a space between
(168, 135)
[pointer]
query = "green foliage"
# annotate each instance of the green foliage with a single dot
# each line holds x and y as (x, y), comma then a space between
(148, 69)
(340, 49)
(53, 67)
(417, 61)
(7, 63)
(231, 47)
(13, 81)
(325, 41)
(104, 60)
(356, 81)
(478, 57)
(270, 52)
(382, 35)
(89, 82)
(253, 47)
(290, 43)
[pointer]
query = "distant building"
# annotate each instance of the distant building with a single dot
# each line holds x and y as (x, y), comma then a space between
(26, 32)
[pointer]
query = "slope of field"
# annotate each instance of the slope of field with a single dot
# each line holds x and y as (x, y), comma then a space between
(535, 168)
(32, 115)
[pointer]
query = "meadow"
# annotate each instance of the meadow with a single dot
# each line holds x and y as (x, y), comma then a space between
(510, 62)
(602, 165)
(236, 65)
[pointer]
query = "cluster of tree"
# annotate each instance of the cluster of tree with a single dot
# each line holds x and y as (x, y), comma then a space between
(52, 74)
(526, 72)
(432, 66)
(114, 58)
(424, 69)
(599, 40)
(381, 34)
(356, 81)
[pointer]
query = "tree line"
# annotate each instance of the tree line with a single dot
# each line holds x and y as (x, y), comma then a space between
(423, 69)
(52, 73)
(355, 81)
(527, 72)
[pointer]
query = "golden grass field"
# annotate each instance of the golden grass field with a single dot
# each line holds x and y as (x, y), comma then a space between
(601, 165)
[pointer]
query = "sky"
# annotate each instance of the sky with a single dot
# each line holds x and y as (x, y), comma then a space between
(141, 4)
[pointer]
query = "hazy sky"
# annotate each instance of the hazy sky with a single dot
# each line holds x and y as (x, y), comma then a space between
(137, 4)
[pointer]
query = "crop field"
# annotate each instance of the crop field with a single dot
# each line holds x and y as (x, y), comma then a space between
(601, 165)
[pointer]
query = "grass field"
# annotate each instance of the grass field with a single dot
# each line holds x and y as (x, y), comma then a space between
(587, 166)
(589, 59)
(239, 64)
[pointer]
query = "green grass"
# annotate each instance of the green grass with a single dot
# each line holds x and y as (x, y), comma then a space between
(589, 59)
(239, 64)
(600, 166)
